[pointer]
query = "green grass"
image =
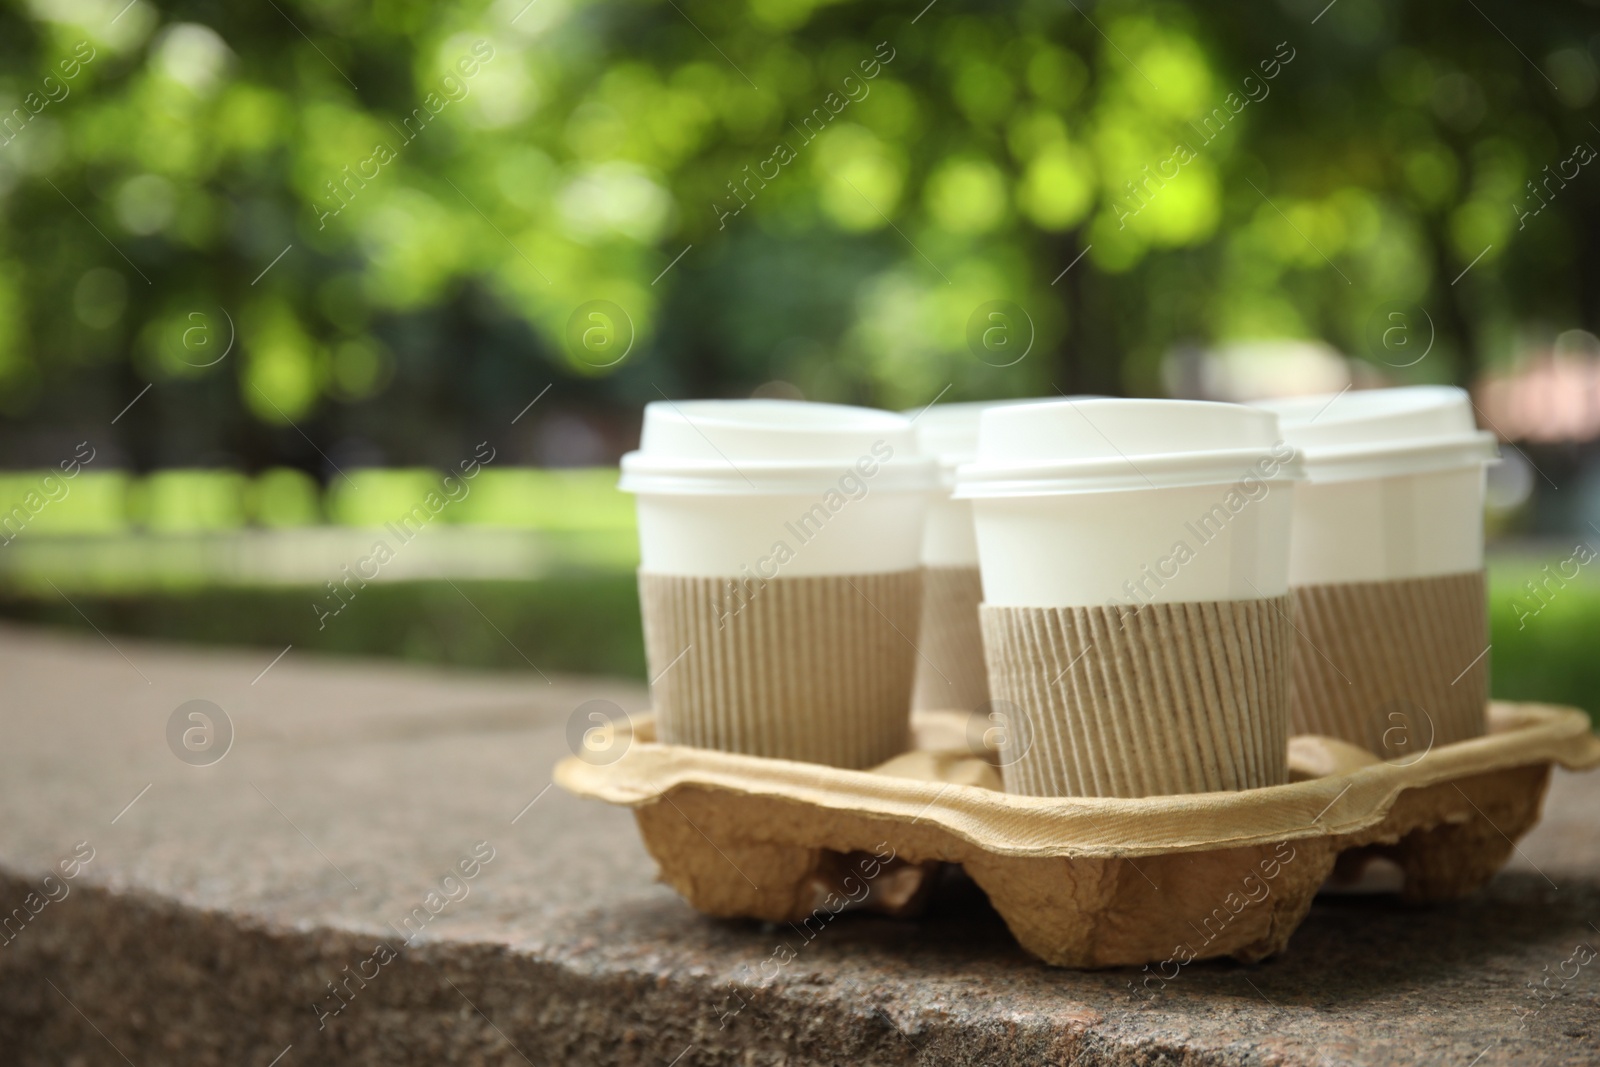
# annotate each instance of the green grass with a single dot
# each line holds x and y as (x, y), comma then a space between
(1548, 652)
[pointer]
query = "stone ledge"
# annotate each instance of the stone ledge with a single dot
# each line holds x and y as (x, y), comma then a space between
(221, 903)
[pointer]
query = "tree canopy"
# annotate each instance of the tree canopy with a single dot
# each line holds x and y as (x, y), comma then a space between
(314, 227)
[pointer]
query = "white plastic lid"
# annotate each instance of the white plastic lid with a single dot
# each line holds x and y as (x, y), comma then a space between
(949, 432)
(1379, 433)
(695, 447)
(1093, 446)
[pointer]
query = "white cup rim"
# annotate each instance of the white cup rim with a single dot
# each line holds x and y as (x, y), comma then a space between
(1383, 433)
(1120, 473)
(1388, 460)
(664, 475)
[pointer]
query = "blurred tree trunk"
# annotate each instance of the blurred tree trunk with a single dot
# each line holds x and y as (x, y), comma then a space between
(1457, 320)
(1086, 360)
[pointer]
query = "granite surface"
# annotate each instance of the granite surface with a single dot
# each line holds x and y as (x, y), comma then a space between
(256, 910)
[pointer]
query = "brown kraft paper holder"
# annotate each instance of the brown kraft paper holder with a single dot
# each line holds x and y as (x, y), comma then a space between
(1216, 874)
(815, 668)
(1392, 666)
(950, 667)
(1117, 702)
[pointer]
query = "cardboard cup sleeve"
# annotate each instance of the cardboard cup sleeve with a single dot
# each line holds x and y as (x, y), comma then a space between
(1165, 699)
(817, 669)
(1396, 667)
(950, 672)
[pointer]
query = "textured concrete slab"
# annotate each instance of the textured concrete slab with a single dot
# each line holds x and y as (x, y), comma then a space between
(361, 879)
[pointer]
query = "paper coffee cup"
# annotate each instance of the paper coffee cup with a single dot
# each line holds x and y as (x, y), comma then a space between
(1134, 558)
(1386, 566)
(780, 575)
(950, 671)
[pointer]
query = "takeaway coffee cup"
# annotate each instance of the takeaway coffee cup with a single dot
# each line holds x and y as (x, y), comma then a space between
(779, 577)
(1386, 567)
(950, 670)
(1134, 556)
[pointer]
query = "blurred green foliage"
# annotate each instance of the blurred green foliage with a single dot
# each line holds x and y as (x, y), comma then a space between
(283, 497)
(178, 501)
(196, 501)
(1544, 640)
(42, 503)
(377, 221)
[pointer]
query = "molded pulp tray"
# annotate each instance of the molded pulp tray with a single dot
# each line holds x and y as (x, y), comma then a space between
(1084, 882)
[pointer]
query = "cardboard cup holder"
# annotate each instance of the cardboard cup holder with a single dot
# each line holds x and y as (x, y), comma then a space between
(1083, 881)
